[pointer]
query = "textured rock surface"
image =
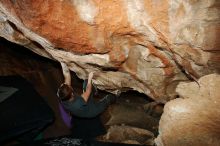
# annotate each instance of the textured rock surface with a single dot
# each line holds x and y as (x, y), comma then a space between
(132, 114)
(144, 45)
(128, 134)
(127, 122)
(194, 118)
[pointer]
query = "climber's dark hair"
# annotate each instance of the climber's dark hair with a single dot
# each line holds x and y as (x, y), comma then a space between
(64, 92)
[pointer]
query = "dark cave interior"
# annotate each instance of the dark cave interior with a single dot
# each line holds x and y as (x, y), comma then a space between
(132, 109)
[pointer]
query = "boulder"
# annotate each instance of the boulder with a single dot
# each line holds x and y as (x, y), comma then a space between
(129, 135)
(193, 119)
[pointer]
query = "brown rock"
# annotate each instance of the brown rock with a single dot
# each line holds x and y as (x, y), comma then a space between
(132, 114)
(154, 109)
(127, 134)
(194, 118)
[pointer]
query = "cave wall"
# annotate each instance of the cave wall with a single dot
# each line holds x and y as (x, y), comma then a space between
(144, 45)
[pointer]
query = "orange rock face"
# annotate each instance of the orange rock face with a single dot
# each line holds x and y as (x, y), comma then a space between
(55, 20)
(143, 45)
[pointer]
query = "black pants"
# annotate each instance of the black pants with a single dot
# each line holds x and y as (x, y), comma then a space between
(88, 128)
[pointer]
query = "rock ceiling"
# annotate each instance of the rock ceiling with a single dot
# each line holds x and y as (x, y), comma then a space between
(144, 45)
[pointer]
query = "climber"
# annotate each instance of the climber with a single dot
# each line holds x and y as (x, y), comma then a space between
(83, 108)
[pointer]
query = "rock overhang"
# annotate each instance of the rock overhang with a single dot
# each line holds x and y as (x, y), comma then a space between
(148, 46)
